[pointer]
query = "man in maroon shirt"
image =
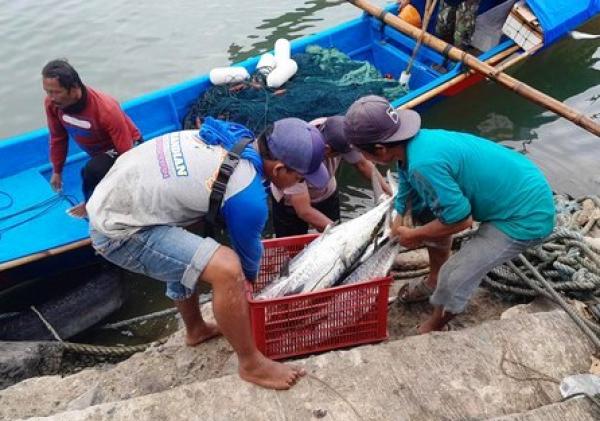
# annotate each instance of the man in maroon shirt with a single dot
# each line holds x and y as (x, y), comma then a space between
(91, 118)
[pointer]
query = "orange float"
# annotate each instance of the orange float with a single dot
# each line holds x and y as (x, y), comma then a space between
(410, 14)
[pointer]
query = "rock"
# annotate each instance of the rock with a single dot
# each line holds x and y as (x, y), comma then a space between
(21, 360)
(594, 242)
(498, 368)
(595, 367)
(538, 305)
(588, 211)
(154, 370)
(411, 260)
(88, 398)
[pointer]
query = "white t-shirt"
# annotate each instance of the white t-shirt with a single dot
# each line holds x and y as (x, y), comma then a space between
(164, 181)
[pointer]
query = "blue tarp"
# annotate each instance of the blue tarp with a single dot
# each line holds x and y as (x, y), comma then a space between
(557, 17)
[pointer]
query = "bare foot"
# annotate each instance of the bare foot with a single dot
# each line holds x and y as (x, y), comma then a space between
(428, 327)
(78, 211)
(270, 374)
(202, 334)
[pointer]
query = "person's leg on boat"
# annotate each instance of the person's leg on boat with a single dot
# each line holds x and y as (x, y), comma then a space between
(446, 21)
(181, 259)
(444, 29)
(91, 174)
(466, 15)
(463, 272)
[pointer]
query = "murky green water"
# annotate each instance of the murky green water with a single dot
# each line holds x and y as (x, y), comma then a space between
(129, 48)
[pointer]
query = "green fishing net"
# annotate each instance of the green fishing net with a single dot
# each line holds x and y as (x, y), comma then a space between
(327, 83)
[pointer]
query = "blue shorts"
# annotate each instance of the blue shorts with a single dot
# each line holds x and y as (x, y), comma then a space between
(168, 254)
(463, 272)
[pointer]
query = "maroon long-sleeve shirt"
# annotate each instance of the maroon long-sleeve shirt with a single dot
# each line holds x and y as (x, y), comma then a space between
(99, 126)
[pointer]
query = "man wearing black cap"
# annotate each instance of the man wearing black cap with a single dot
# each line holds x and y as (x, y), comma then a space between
(304, 204)
(451, 179)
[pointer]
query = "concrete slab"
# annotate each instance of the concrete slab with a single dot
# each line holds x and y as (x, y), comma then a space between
(496, 369)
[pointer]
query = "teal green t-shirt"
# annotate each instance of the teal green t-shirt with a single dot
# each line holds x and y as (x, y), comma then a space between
(458, 174)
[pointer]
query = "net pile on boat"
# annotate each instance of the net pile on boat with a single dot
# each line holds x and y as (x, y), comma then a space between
(327, 83)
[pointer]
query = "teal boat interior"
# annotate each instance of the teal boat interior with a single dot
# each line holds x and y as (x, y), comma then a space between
(33, 218)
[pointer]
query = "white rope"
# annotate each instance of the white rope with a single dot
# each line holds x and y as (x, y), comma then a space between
(46, 323)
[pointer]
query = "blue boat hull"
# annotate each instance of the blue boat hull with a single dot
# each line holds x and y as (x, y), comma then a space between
(37, 238)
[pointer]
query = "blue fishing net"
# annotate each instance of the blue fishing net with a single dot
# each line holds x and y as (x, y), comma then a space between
(327, 83)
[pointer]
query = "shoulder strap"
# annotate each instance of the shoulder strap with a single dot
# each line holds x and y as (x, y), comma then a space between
(220, 185)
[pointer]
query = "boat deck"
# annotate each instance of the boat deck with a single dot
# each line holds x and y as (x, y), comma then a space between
(33, 217)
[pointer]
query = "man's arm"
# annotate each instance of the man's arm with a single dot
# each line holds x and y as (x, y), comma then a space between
(245, 215)
(305, 211)
(59, 144)
(367, 168)
(432, 231)
(442, 194)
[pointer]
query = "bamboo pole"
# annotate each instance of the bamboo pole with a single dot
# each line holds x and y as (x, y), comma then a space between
(429, 8)
(472, 62)
(425, 96)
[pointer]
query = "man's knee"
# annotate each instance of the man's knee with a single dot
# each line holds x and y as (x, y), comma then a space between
(224, 266)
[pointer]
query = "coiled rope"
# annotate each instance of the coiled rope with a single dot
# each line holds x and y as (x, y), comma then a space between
(565, 264)
(566, 260)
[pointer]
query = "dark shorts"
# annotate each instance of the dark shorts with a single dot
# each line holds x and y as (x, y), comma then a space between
(96, 168)
(286, 222)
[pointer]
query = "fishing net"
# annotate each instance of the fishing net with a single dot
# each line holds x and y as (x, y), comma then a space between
(327, 83)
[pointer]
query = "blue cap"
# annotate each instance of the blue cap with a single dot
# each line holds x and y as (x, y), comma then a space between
(301, 147)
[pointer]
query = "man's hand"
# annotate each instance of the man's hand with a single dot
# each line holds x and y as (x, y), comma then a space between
(407, 237)
(402, 4)
(56, 182)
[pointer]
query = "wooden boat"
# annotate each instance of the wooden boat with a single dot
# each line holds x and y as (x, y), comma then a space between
(37, 238)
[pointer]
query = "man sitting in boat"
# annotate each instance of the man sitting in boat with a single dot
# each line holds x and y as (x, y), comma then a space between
(456, 22)
(451, 179)
(301, 205)
(138, 210)
(91, 118)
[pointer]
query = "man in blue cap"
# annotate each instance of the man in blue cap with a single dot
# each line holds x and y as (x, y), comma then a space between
(451, 179)
(138, 211)
(303, 205)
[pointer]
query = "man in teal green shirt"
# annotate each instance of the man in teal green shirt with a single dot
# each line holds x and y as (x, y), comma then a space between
(447, 181)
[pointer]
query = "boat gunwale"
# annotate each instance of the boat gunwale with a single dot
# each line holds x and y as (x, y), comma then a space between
(457, 71)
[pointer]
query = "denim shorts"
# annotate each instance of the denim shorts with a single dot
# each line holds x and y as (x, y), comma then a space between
(463, 272)
(169, 254)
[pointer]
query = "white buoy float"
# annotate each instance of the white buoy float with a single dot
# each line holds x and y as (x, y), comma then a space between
(283, 50)
(266, 64)
(283, 72)
(223, 75)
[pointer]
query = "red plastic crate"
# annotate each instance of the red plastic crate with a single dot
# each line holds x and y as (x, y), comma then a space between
(312, 322)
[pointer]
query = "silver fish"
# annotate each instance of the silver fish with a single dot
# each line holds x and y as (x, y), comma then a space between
(377, 265)
(327, 259)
